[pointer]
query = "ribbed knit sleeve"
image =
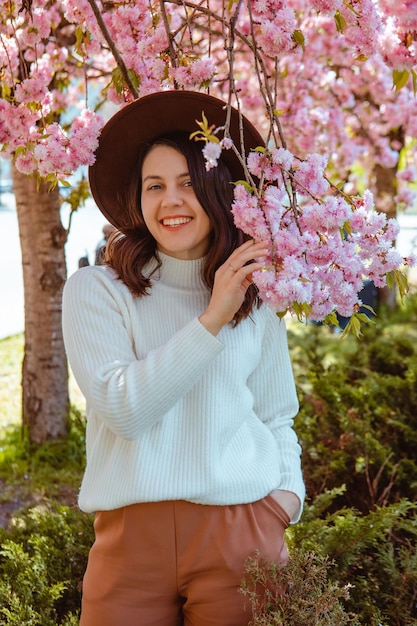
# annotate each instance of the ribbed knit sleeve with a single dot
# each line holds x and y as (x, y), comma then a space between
(130, 394)
(276, 402)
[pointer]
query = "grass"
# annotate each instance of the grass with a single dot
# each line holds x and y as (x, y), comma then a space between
(32, 475)
(11, 355)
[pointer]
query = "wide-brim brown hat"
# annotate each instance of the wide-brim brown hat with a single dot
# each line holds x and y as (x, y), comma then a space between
(136, 124)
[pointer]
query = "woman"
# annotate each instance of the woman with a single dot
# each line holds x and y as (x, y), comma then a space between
(192, 461)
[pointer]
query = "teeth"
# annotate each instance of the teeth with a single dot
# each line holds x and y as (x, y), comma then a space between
(176, 221)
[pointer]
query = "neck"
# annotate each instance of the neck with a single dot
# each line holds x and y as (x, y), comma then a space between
(179, 273)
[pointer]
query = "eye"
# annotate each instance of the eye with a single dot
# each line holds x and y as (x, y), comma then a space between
(188, 183)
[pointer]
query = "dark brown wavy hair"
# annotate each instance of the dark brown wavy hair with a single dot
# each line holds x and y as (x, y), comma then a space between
(129, 251)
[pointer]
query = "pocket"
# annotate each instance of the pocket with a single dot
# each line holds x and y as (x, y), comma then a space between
(277, 509)
(271, 522)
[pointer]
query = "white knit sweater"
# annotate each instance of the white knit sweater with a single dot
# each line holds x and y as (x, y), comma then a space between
(174, 412)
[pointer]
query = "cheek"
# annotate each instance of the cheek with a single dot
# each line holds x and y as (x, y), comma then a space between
(209, 226)
(149, 226)
(146, 214)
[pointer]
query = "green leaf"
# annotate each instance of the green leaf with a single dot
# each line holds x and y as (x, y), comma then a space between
(206, 132)
(117, 80)
(350, 6)
(340, 22)
(360, 464)
(397, 277)
(368, 307)
(79, 37)
(414, 77)
(331, 319)
(352, 327)
(400, 78)
(5, 91)
(402, 283)
(362, 317)
(134, 78)
(281, 314)
(346, 229)
(302, 310)
(245, 184)
(298, 38)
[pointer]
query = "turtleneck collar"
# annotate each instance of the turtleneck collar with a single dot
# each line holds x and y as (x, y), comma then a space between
(179, 273)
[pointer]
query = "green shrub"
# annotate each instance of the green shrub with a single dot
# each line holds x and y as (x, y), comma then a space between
(29, 473)
(376, 554)
(299, 594)
(358, 417)
(43, 556)
(354, 553)
(358, 429)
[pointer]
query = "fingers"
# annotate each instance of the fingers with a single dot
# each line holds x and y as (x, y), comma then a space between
(239, 261)
(243, 276)
(236, 272)
(231, 282)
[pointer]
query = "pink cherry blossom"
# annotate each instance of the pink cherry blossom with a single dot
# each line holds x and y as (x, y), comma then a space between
(212, 152)
(315, 77)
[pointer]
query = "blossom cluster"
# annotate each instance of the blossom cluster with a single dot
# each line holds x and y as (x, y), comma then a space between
(315, 76)
(322, 248)
(62, 42)
(347, 109)
(48, 149)
(398, 41)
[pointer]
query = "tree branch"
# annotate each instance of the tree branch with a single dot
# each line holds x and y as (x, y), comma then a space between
(114, 51)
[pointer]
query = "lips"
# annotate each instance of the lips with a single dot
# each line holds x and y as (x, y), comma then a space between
(173, 222)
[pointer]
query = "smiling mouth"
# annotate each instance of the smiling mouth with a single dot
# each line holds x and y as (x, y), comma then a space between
(176, 221)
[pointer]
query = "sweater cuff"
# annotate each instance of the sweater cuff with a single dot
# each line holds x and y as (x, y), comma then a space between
(297, 487)
(210, 336)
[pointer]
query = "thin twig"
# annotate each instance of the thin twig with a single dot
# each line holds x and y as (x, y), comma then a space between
(114, 51)
(170, 37)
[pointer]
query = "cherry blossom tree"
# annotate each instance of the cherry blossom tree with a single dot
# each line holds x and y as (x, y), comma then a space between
(331, 84)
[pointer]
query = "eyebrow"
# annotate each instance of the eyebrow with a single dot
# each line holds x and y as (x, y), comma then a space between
(156, 177)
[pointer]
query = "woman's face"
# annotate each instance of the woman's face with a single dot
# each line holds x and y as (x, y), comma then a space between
(170, 208)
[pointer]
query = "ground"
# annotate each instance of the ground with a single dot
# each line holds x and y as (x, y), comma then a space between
(15, 498)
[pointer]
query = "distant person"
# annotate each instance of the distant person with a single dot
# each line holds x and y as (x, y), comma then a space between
(193, 464)
(108, 229)
(83, 261)
(100, 251)
(369, 297)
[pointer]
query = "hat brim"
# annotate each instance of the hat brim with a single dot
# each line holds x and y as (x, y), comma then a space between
(124, 135)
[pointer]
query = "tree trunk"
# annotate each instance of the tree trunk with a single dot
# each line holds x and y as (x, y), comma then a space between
(45, 399)
(385, 189)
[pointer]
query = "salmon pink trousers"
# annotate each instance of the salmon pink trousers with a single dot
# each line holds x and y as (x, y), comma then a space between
(177, 563)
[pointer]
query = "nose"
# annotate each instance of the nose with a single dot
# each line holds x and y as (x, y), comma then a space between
(172, 197)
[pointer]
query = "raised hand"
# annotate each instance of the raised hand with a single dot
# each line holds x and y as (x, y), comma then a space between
(231, 282)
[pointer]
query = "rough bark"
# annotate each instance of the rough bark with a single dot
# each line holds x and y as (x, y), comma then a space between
(385, 189)
(45, 397)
